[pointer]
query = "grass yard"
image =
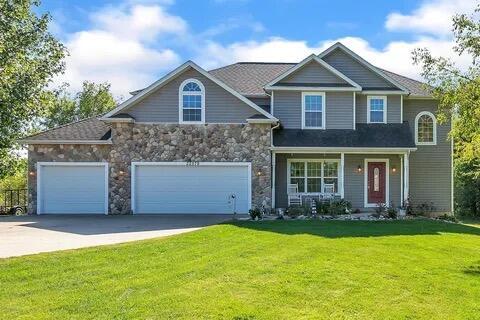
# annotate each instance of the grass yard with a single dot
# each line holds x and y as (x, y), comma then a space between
(258, 270)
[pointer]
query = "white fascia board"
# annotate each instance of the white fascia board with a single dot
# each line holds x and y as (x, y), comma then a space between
(339, 150)
(362, 61)
(383, 92)
(173, 74)
(261, 121)
(419, 97)
(27, 141)
(128, 120)
(308, 59)
(295, 88)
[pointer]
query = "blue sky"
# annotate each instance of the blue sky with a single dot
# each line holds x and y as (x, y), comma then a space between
(131, 43)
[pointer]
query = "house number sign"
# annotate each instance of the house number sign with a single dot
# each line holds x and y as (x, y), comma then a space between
(193, 164)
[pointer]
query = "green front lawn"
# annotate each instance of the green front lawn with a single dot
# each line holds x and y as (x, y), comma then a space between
(263, 270)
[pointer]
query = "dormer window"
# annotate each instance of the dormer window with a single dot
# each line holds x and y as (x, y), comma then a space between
(191, 102)
(377, 109)
(313, 110)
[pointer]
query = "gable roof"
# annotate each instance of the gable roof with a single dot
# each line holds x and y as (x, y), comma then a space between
(362, 61)
(159, 83)
(312, 58)
(86, 131)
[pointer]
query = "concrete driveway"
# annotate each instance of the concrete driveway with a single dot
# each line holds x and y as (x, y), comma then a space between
(24, 235)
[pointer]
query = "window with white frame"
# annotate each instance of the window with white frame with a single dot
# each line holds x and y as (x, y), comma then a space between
(192, 101)
(377, 109)
(425, 129)
(313, 110)
(314, 176)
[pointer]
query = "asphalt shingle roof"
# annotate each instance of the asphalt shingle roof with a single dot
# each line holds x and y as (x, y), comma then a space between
(392, 135)
(247, 78)
(87, 129)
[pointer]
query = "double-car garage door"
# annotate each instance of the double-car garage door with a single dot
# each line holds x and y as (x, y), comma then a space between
(157, 188)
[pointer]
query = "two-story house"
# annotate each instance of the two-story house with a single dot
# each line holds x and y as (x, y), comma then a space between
(250, 134)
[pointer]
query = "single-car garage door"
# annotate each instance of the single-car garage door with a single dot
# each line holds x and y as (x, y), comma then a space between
(185, 187)
(72, 188)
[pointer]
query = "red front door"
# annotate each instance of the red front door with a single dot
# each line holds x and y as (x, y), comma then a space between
(376, 182)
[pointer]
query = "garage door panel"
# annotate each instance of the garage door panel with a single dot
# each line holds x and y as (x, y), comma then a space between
(72, 189)
(173, 188)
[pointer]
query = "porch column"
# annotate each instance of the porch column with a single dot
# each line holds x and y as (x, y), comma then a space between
(406, 176)
(342, 175)
(273, 178)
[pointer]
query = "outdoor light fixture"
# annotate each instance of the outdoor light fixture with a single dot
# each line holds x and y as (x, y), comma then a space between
(31, 173)
(359, 168)
(394, 169)
(259, 173)
(121, 172)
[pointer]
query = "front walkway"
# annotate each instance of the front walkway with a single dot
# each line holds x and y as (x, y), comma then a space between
(34, 234)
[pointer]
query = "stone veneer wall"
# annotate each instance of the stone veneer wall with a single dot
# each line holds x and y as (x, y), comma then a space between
(166, 142)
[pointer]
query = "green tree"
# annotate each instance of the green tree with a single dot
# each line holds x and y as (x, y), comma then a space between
(29, 58)
(458, 93)
(62, 107)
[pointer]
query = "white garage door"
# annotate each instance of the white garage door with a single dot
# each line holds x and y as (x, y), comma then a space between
(72, 188)
(179, 187)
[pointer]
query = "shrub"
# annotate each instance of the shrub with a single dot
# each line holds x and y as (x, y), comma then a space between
(340, 206)
(255, 213)
(392, 212)
(380, 210)
(295, 211)
(424, 209)
(447, 217)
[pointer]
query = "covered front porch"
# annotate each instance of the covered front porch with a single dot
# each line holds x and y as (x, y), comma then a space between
(363, 177)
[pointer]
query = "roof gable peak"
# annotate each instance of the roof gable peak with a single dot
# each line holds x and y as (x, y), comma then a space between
(362, 61)
(312, 58)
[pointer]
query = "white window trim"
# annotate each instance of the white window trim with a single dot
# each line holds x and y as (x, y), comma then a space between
(384, 98)
(324, 108)
(434, 142)
(305, 161)
(180, 101)
(365, 182)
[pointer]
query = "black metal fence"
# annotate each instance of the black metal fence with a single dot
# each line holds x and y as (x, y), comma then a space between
(13, 201)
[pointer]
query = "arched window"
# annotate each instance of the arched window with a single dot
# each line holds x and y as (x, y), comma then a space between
(191, 97)
(425, 129)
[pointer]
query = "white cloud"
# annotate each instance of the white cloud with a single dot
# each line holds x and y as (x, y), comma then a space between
(396, 56)
(119, 48)
(432, 17)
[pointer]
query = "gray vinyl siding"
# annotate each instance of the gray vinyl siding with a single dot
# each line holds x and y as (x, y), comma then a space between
(263, 103)
(220, 105)
(338, 111)
(430, 166)
(354, 181)
(313, 73)
(393, 108)
(288, 108)
(354, 70)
